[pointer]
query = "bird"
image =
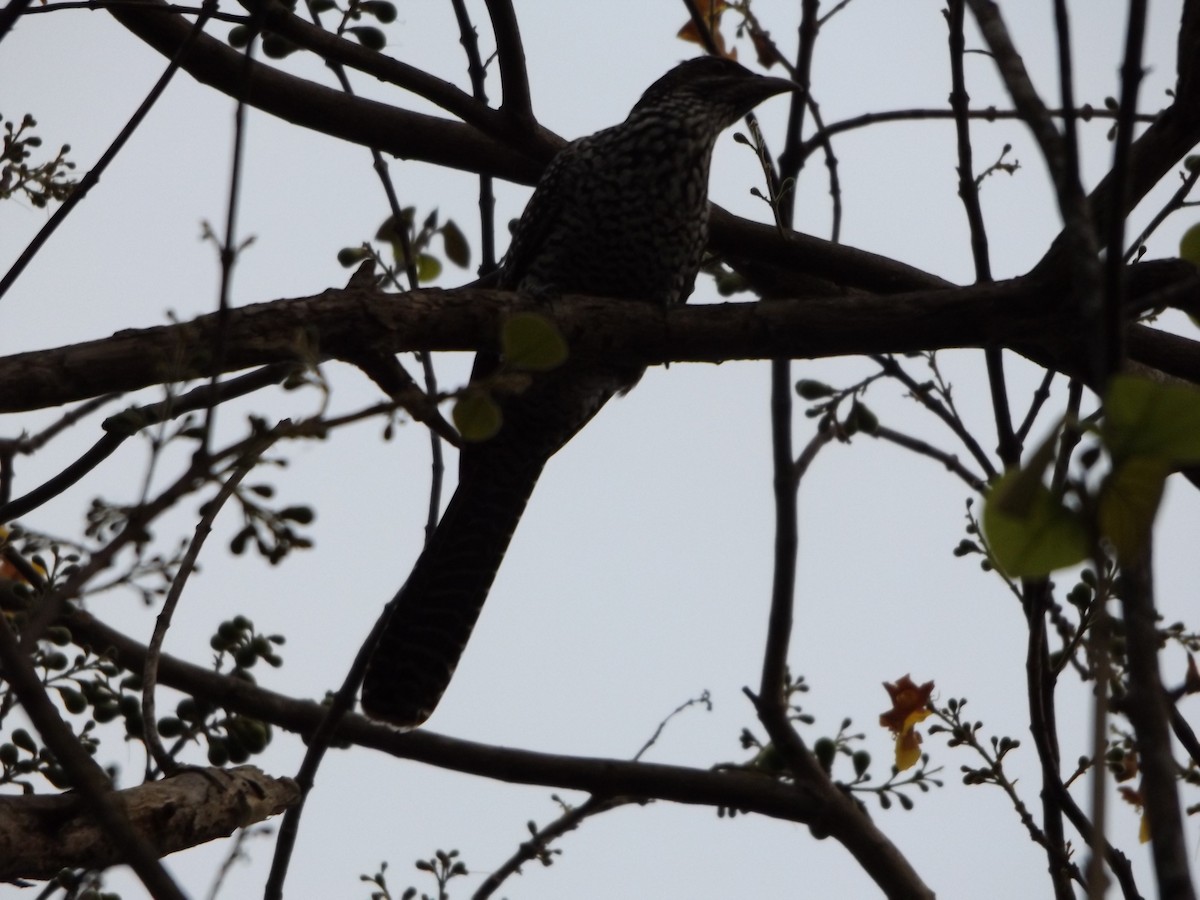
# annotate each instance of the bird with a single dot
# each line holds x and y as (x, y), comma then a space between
(621, 213)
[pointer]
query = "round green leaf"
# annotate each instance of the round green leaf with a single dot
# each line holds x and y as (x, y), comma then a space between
(457, 249)
(1189, 245)
(532, 343)
(1045, 537)
(349, 256)
(1129, 500)
(428, 268)
(1146, 418)
(477, 416)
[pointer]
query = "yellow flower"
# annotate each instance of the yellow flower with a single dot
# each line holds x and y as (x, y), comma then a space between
(910, 706)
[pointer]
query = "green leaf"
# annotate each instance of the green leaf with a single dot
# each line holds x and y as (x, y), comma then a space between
(477, 416)
(428, 268)
(388, 230)
(1189, 245)
(1016, 493)
(1145, 418)
(1129, 500)
(532, 342)
(862, 419)
(457, 249)
(1034, 534)
(350, 256)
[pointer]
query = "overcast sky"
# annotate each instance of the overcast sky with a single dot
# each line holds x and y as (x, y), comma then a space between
(640, 575)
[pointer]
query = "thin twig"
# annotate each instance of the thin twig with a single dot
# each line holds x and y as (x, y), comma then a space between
(919, 446)
(1099, 634)
(400, 228)
(1039, 688)
(332, 717)
(1146, 708)
(536, 846)
(229, 245)
(1040, 396)
(92, 178)
(123, 426)
(139, 518)
(166, 763)
(968, 191)
(988, 114)
(28, 444)
(922, 396)
(1172, 205)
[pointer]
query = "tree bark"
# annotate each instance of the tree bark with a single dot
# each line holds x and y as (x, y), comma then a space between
(40, 835)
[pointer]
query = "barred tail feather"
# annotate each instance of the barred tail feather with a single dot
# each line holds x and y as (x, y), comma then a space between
(430, 619)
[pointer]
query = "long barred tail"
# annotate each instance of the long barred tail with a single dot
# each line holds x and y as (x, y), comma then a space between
(429, 621)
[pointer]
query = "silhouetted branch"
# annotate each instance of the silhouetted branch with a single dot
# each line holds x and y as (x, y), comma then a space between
(1024, 314)
(53, 832)
(83, 773)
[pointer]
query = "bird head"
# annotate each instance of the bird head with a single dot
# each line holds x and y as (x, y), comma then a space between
(712, 86)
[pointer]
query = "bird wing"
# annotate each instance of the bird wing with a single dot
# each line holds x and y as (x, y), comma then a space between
(537, 221)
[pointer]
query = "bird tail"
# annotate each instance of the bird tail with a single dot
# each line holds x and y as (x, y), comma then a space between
(428, 622)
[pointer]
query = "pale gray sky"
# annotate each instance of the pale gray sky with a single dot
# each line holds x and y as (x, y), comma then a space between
(640, 575)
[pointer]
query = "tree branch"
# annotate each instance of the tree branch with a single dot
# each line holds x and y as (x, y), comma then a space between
(830, 810)
(1023, 314)
(84, 773)
(327, 110)
(610, 777)
(42, 834)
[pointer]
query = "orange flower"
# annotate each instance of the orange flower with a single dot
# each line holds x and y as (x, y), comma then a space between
(8, 572)
(689, 32)
(1135, 799)
(910, 706)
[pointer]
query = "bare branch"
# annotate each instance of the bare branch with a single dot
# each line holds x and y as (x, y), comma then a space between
(510, 52)
(329, 111)
(54, 832)
(1146, 706)
(83, 772)
(829, 809)
(1023, 314)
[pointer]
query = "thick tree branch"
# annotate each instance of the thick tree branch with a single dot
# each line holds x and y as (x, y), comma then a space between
(606, 777)
(337, 50)
(400, 132)
(83, 773)
(42, 834)
(1023, 314)
(830, 810)
(520, 157)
